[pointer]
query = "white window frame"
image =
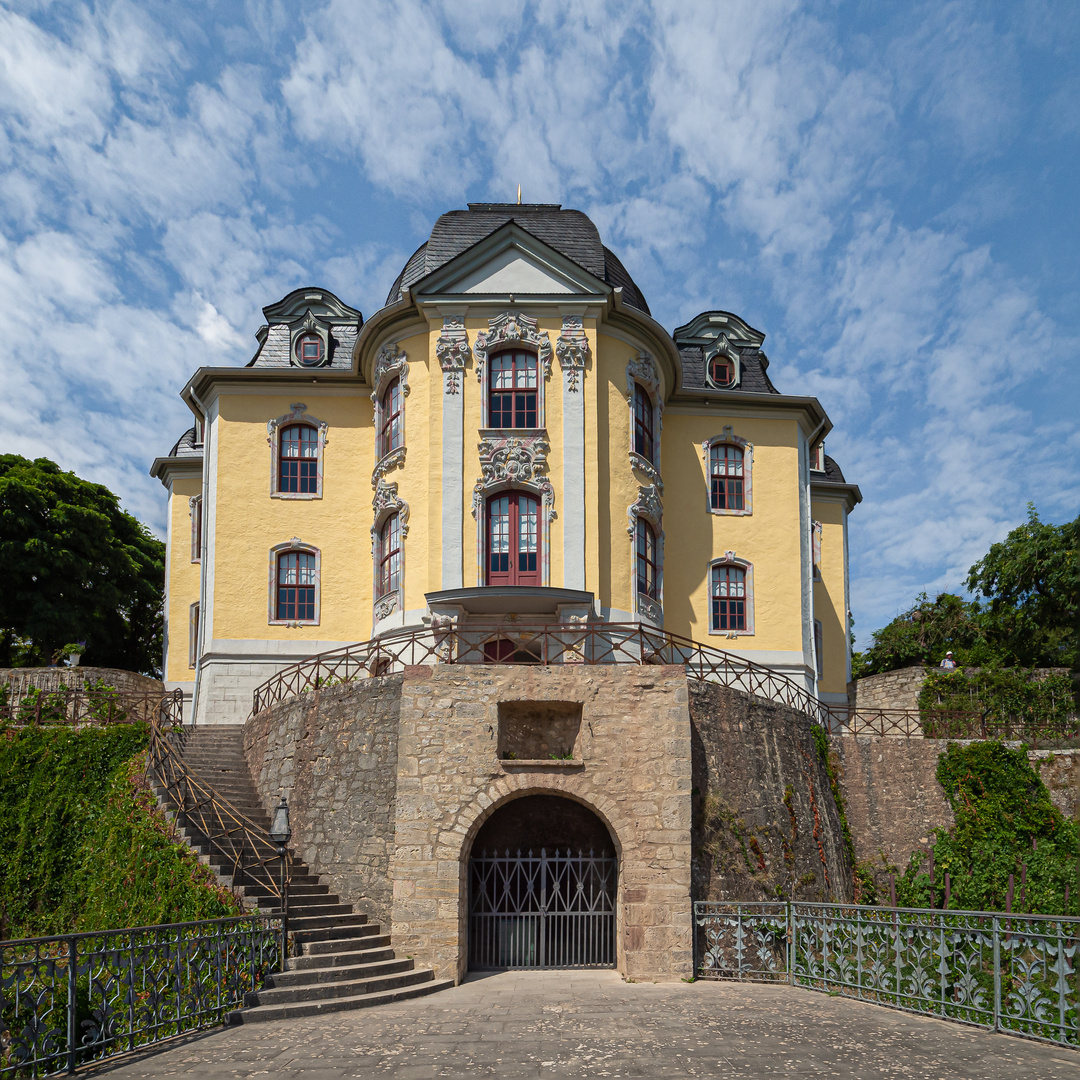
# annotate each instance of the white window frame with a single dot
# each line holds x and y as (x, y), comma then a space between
(641, 371)
(727, 437)
(513, 331)
(729, 558)
(391, 363)
(297, 414)
(298, 545)
(194, 613)
(387, 502)
(647, 505)
(195, 504)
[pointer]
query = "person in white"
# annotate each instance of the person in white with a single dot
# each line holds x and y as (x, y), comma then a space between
(948, 662)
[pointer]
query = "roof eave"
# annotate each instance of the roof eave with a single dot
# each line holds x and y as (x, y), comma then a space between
(166, 469)
(831, 487)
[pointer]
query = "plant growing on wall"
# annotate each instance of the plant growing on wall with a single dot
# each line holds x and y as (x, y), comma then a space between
(1005, 825)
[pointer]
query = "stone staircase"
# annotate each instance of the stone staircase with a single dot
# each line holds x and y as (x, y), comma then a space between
(345, 962)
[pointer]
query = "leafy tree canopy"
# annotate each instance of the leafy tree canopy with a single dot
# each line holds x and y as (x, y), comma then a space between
(1031, 585)
(76, 568)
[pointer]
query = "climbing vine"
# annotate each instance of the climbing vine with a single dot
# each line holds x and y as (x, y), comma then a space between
(84, 844)
(1018, 695)
(1005, 825)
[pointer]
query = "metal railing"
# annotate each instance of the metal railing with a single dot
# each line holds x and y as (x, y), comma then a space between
(519, 642)
(238, 844)
(1016, 974)
(66, 1001)
(80, 705)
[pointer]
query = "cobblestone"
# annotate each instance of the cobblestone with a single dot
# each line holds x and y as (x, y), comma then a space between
(577, 1024)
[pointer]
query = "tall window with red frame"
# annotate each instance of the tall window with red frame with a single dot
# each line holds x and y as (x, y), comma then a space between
(644, 428)
(726, 477)
(298, 461)
(648, 571)
(728, 591)
(389, 571)
(512, 391)
(513, 539)
(296, 586)
(391, 434)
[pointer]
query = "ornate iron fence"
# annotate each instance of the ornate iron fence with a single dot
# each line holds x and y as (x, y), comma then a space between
(66, 1001)
(1016, 974)
(81, 705)
(519, 642)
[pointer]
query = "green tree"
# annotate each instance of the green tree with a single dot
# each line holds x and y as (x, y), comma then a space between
(1033, 581)
(76, 568)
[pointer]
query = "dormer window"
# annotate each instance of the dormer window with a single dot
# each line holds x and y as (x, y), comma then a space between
(722, 371)
(310, 350)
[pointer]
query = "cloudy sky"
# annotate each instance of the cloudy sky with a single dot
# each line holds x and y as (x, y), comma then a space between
(889, 191)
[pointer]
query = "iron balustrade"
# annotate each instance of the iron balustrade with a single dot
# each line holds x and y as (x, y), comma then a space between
(542, 910)
(22, 704)
(1016, 974)
(77, 998)
(632, 643)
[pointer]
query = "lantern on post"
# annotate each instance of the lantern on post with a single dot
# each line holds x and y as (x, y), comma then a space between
(280, 834)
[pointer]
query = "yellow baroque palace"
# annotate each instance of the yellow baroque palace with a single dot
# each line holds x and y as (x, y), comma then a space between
(512, 438)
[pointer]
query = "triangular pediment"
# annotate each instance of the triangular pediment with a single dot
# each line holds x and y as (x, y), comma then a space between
(513, 262)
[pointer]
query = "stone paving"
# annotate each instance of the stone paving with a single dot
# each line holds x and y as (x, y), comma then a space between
(564, 1023)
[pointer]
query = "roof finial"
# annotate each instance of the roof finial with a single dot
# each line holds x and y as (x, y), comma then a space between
(519, 194)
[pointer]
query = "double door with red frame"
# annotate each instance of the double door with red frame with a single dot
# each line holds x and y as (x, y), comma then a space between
(513, 539)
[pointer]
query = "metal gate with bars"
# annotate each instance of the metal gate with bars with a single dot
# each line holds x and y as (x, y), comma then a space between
(552, 910)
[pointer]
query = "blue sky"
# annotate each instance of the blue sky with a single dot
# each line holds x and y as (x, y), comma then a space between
(889, 191)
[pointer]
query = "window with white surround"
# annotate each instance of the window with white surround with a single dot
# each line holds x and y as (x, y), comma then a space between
(815, 545)
(648, 561)
(646, 412)
(195, 503)
(391, 429)
(514, 390)
(731, 596)
(297, 448)
(818, 645)
(513, 539)
(193, 635)
(388, 554)
(729, 461)
(294, 584)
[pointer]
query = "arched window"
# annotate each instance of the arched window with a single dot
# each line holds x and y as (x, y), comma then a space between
(728, 593)
(297, 582)
(644, 425)
(513, 539)
(388, 579)
(512, 390)
(726, 477)
(648, 576)
(298, 460)
(391, 432)
(721, 371)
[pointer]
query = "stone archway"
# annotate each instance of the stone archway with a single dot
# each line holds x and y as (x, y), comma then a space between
(542, 887)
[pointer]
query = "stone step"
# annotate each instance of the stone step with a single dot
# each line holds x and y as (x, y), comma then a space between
(335, 973)
(315, 902)
(347, 918)
(318, 950)
(262, 1013)
(306, 915)
(256, 891)
(335, 933)
(341, 959)
(348, 988)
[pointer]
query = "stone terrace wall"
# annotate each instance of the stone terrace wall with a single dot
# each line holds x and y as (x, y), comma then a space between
(752, 839)
(633, 771)
(891, 689)
(334, 754)
(52, 678)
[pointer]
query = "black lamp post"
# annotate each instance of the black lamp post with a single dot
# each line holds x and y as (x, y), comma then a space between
(280, 834)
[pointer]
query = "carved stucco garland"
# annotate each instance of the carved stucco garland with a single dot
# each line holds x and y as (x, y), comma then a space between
(387, 463)
(391, 362)
(452, 350)
(511, 328)
(517, 461)
(646, 505)
(572, 349)
(387, 502)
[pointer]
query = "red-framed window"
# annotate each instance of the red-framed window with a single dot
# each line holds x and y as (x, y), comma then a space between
(644, 424)
(298, 460)
(721, 371)
(391, 433)
(513, 391)
(309, 350)
(296, 585)
(513, 539)
(648, 570)
(728, 592)
(389, 571)
(726, 476)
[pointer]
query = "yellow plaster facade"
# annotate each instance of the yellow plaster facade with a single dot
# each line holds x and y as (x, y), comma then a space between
(570, 306)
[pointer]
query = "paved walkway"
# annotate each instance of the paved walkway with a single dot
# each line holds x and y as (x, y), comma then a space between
(551, 1024)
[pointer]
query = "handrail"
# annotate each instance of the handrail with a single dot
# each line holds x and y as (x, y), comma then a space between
(81, 705)
(243, 842)
(516, 642)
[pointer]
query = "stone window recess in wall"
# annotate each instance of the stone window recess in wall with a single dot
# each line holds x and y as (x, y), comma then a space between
(539, 731)
(731, 596)
(648, 509)
(646, 417)
(452, 352)
(387, 504)
(729, 465)
(295, 584)
(390, 388)
(303, 454)
(507, 331)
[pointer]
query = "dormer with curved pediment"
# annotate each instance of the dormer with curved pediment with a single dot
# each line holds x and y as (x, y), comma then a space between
(309, 328)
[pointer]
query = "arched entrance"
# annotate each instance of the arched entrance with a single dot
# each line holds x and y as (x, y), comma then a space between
(543, 878)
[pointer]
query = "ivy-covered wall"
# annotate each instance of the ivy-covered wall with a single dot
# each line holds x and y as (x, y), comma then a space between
(82, 843)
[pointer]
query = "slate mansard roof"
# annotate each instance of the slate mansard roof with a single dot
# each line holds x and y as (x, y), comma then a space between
(186, 446)
(569, 232)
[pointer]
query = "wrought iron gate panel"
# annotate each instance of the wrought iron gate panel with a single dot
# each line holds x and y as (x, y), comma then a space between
(552, 910)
